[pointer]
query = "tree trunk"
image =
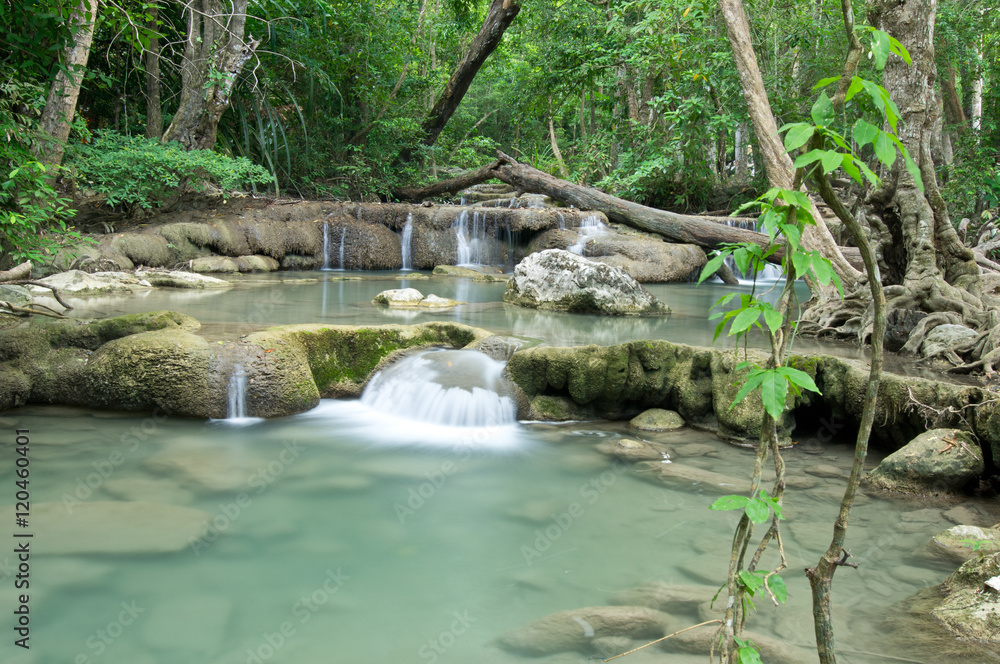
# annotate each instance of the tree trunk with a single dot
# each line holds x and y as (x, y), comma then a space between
(498, 18)
(740, 168)
(777, 163)
(939, 274)
(556, 152)
(60, 106)
(154, 122)
(214, 56)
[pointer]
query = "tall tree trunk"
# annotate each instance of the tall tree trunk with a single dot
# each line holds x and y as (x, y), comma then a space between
(499, 16)
(556, 152)
(777, 163)
(740, 167)
(154, 122)
(60, 106)
(214, 56)
(940, 275)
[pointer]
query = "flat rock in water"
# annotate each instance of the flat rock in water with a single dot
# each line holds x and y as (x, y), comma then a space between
(971, 514)
(411, 298)
(677, 472)
(112, 527)
(213, 470)
(696, 450)
(657, 419)
(935, 462)
(178, 279)
(76, 282)
(576, 629)
(563, 281)
(628, 449)
(825, 470)
(666, 597)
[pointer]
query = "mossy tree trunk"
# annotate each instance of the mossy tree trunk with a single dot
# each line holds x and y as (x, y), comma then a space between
(214, 55)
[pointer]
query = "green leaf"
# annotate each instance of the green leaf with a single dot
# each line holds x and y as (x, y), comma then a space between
(773, 390)
(801, 261)
(880, 48)
(808, 158)
(792, 233)
(777, 586)
(729, 503)
(798, 135)
(744, 320)
(822, 111)
(822, 268)
(799, 378)
(757, 511)
(864, 133)
(753, 382)
(914, 171)
(884, 149)
(850, 168)
(772, 318)
(831, 160)
(823, 82)
(750, 580)
(748, 655)
(868, 173)
(711, 267)
(854, 88)
(899, 49)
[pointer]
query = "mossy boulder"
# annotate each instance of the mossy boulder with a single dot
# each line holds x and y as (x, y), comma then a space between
(19, 296)
(935, 462)
(657, 419)
(971, 606)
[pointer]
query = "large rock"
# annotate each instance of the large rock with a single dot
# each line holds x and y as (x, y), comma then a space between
(107, 527)
(944, 337)
(411, 298)
(562, 281)
(19, 296)
(937, 461)
(576, 629)
(971, 605)
(657, 419)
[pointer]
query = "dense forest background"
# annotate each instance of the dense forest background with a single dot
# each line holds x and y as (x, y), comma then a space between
(637, 97)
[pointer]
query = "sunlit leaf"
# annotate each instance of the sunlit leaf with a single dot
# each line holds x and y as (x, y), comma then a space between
(744, 320)
(864, 133)
(799, 378)
(758, 512)
(884, 149)
(798, 135)
(831, 160)
(822, 111)
(880, 48)
(777, 586)
(773, 390)
(729, 503)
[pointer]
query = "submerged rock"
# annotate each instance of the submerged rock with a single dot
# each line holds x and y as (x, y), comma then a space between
(576, 629)
(563, 281)
(76, 282)
(107, 527)
(699, 641)
(628, 449)
(657, 419)
(667, 597)
(179, 279)
(937, 461)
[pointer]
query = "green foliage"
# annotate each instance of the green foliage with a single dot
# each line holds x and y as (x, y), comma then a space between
(30, 206)
(137, 172)
(758, 508)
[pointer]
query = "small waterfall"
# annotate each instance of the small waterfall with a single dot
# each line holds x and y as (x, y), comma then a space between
(562, 220)
(237, 394)
(590, 227)
(453, 388)
(343, 236)
(407, 242)
(326, 245)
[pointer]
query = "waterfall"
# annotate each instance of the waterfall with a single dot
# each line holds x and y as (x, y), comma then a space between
(590, 227)
(343, 235)
(453, 388)
(326, 245)
(562, 220)
(407, 242)
(237, 394)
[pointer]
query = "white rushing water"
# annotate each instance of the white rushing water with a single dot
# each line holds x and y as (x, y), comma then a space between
(457, 388)
(237, 394)
(343, 236)
(590, 228)
(406, 243)
(326, 245)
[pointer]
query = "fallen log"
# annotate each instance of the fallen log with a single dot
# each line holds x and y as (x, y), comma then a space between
(706, 232)
(22, 271)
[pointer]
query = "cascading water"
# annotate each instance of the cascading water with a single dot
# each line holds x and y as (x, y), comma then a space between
(407, 243)
(589, 228)
(237, 394)
(343, 236)
(768, 273)
(326, 245)
(452, 388)
(471, 242)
